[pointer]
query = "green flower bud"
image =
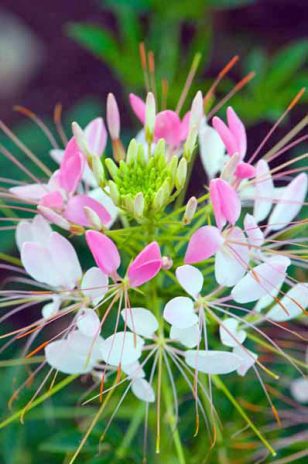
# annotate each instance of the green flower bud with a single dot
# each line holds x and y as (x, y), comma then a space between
(93, 218)
(190, 210)
(98, 171)
(132, 150)
(173, 164)
(139, 205)
(150, 116)
(181, 174)
(114, 192)
(112, 168)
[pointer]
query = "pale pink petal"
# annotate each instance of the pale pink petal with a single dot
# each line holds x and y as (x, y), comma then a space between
(140, 321)
(72, 166)
(292, 305)
(264, 191)
(31, 192)
(261, 280)
(245, 171)
(122, 348)
(145, 266)
(113, 117)
(231, 260)
(180, 312)
(74, 211)
(104, 251)
(229, 332)
(37, 230)
(88, 322)
(189, 337)
(248, 359)
(64, 260)
(203, 244)
(105, 200)
(54, 217)
(143, 390)
(226, 135)
(57, 155)
(190, 279)
(168, 127)
(226, 202)
(212, 362)
(238, 131)
(138, 107)
(94, 284)
(253, 231)
(96, 136)
(289, 204)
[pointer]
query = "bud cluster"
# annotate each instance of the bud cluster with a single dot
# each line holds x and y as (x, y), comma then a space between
(143, 186)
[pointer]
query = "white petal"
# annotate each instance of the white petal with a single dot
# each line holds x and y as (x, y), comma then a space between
(267, 300)
(61, 357)
(88, 322)
(94, 284)
(143, 390)
(50, 309)
(140, 320)
(122, 348)
(261, 280)
(64, 260)
(264, 192)
(134, 370)
(232, 259)
(229, 333)
(37, 230)
(23, 233)
(289, 204)
(212, 150)
(190, 279)
(212, 362)
(57, 155)
(180, 312)
(88, 347)
(299, 390)
(253, 231)
(248, 359)
(189, 337)
(293, 304)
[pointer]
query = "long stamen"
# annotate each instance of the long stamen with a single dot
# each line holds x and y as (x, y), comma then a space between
(188, 82)
(220, 76)
(57, 117)
(30, 114)
(144, 66)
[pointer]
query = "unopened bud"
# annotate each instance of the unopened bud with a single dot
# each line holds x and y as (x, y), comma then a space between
(229, 168)
(139, 205)
(190, 210)
(181, 174)
(173, 164)
(98, 170)
(129, 203)
(114, 192)
(196, 112)
(93, 218)
(132, 151)
(150, 115)
(167, 263)
(112, 167)
(80, 139)
(113, 117)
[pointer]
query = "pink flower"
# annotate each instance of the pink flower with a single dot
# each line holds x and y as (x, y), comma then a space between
(144, 267)
(226, 202)
(168, 125)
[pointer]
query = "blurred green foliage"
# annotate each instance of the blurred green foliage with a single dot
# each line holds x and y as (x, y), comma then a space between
(175, 32)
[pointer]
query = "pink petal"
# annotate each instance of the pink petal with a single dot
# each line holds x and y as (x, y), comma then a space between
(226, 202)
(289, 204)
(138, 107)
(96, 135)
(185, 126)
(74, 211)
(145, 266)
(203, 244)
(72, 167)
(104, 251)
(53, 200)
(226, 135)
(238, 130)
(168, 127)
(245, 171)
